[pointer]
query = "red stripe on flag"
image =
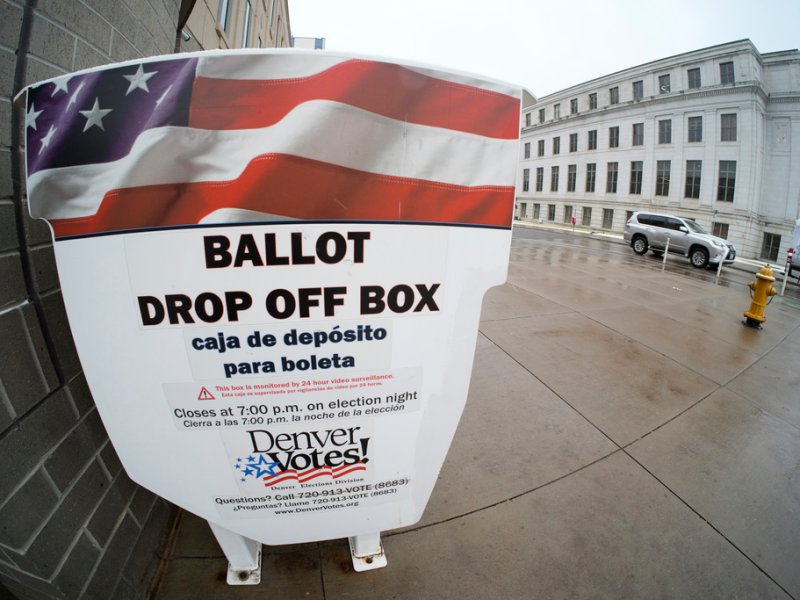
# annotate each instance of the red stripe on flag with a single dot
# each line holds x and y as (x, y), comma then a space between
(385, 89)
(309, 474)
(299, 188)
(352, 469)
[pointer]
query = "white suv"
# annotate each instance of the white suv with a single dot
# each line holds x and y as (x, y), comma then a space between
(650, 231)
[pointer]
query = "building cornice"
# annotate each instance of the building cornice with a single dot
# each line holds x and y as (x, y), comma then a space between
(751, 88)
(720, 50)
(784, 98)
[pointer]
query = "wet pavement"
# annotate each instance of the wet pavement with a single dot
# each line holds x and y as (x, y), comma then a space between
(625, 437)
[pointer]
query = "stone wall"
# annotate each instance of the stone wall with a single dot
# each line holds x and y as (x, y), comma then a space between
(72, 524)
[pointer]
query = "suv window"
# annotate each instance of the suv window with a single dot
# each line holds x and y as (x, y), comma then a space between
(694, 227)
(674, 224)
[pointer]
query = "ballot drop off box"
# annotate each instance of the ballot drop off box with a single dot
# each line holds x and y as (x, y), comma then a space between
(273, 264)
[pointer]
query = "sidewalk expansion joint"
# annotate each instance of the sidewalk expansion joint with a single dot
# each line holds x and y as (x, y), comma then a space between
(556, 394)
(670, 420)
(711, 525)
(626, 453)
(504, 500)
(669, 358)
(321, 571)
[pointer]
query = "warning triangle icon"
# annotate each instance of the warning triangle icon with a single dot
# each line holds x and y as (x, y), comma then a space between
(205, 394)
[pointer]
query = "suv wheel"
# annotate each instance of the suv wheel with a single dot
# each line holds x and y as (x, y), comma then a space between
(639, 244)
(699, 257)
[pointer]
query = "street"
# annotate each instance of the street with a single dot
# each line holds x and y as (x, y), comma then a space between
(562, 247)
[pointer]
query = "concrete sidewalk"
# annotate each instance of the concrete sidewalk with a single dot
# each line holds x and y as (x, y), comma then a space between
(625, 437)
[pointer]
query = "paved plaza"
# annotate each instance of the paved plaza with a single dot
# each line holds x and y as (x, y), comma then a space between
(625, 437)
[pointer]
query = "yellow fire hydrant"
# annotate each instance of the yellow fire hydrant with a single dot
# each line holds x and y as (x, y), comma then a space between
(761, 291)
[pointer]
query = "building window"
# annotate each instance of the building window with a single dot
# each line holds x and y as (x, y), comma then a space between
(224, 17)
(662, 177)
(593, 139)
(665, 131)
(770, 246)
(568, 214)
(636, 177)
(556, 111)
(613, 137)
(726, 73)
(611, 178)
(526, 179)
(586, 216)
(573, 142)
(553, 180)
(527, 149)
(527, 119)
(638, 134)
(246, 24)
(608, 218)
(638, 90)
(540, 148)
(591, 175)
(541, 115)
(628, 215)
(727, 180)
(694, 78)
(539, 179)
(720, 230)
(728, 128)
(551, 212)
(536, 208)
(695, 129)
(694, 170)
(592, 101)
(572, 175)
(573, 106)
(613, 95)
(556, 145)
(523, 210)
(663, 84)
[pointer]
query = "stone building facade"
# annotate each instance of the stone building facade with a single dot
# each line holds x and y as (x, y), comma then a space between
(237, 24)
(710, 135)
(72, 524)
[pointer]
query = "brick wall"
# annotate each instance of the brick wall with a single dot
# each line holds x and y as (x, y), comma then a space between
(71, 522)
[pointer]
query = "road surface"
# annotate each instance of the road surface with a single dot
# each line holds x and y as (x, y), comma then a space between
(564, 246)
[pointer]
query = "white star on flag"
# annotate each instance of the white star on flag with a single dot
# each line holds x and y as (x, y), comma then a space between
(33, 114)
(95, 115)
(139, 80)
(46, 139)
(60, 84)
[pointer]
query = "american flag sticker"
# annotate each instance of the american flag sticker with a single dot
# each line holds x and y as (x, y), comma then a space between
(260, 137)
(272, 472)
(269, 456)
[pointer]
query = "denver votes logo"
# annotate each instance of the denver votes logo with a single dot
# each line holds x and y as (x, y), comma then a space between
(303, 456)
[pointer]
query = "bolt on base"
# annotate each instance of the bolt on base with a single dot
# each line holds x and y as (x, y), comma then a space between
(367, 552)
